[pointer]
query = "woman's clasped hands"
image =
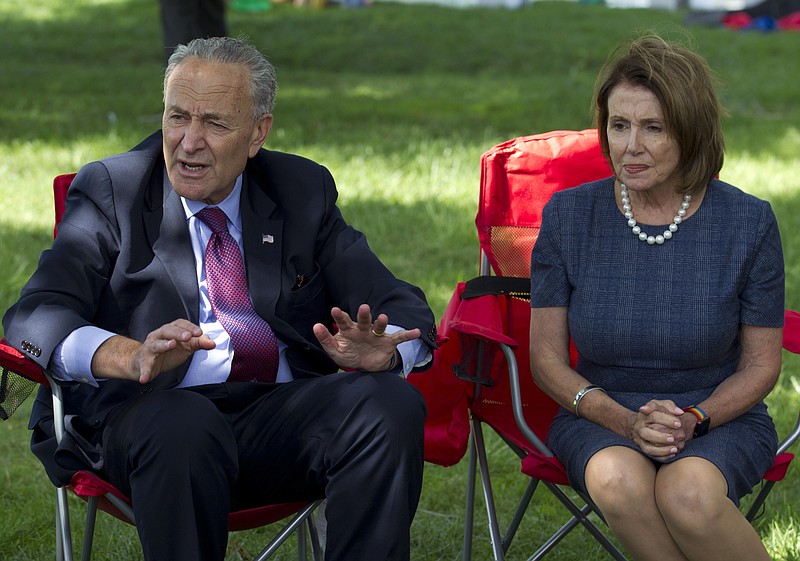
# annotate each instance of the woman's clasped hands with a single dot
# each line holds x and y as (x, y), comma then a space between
(661, 428)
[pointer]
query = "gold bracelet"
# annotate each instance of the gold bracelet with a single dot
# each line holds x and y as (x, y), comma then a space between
(580, 395)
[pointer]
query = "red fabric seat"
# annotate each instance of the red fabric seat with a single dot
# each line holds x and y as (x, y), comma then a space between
(86, 484)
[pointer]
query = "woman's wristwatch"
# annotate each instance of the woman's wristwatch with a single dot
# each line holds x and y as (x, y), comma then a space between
(703, 420)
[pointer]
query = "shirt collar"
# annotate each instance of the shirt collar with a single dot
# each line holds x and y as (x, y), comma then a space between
(229, 205)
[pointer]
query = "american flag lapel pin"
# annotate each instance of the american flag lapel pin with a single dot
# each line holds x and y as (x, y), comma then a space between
(267, 238)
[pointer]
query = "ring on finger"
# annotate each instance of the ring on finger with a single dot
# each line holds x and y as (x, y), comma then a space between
(376, 334)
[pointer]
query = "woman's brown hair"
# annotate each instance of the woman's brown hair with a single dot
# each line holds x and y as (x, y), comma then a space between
(684, 85)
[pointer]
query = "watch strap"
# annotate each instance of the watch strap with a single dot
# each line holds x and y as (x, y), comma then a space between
(703, 420)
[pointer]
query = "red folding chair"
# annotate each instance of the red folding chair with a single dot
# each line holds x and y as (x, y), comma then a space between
(492, 323)
(20, 375)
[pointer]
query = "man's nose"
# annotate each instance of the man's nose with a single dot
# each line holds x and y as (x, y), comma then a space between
(193, 137)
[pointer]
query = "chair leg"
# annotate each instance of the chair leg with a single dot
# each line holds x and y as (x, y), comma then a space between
(59, 539)
(469, 510)
(522, 508)
(292, 526)
(580, 515)
(759, 500)
(488, 495)
(122, 506)
(88, 531)
(302, 549)
(63, 531)
(553, 540)
(314, 532)
(307, 533)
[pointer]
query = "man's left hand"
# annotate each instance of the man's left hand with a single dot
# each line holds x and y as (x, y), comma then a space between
(362, 344)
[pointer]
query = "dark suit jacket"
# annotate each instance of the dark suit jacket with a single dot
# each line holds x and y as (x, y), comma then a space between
(123, 261)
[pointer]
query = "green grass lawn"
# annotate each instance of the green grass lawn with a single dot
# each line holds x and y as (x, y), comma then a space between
(399, 101)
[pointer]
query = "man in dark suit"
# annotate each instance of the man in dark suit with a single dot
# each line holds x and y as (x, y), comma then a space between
(125, 310)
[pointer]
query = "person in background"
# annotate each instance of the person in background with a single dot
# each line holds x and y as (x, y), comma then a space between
(184, 20)
(670, 282)
(197, 308)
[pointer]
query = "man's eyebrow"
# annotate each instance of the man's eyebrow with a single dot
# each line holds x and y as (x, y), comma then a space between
(175, 109)
(212, 116)
(204, 116)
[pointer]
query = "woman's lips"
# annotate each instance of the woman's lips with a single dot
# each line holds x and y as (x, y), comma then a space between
(634, 168)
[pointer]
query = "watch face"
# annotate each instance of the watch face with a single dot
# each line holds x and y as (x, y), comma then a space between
(701, 428)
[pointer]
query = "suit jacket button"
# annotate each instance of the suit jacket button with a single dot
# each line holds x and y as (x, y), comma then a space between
(432, 334)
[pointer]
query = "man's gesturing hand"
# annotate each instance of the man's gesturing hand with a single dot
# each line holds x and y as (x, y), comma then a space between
(362, 344)
(165, 348)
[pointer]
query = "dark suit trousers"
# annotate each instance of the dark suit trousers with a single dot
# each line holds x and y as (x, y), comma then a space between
(188, 456)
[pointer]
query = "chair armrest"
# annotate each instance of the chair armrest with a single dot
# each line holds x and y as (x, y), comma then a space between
(13, 360)
(18, 377)
(483, 319)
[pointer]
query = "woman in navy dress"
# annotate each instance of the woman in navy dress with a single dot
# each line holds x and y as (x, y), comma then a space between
(671, 284)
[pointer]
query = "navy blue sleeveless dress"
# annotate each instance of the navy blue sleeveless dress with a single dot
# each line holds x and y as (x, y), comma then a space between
(662, 321)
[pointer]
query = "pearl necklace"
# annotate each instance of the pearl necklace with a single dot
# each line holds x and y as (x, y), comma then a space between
(660, 239)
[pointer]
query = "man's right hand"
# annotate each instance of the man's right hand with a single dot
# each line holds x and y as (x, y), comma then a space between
(165, 348)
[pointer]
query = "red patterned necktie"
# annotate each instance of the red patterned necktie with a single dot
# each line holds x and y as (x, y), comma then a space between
(255, 348)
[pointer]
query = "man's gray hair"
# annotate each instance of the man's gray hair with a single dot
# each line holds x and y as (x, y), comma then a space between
(263, 83)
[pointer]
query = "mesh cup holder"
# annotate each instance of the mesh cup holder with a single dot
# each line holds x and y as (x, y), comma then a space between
(14, 390)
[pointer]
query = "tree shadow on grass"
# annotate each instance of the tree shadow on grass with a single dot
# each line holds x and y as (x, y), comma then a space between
(433, 71)
(787, 212)
(19, 254)
(431, 245)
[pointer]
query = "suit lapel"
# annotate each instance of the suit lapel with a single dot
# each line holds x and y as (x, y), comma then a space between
(262, 239)
(166, 227)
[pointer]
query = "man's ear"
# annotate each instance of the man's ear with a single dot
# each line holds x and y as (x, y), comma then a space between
(260, 132)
